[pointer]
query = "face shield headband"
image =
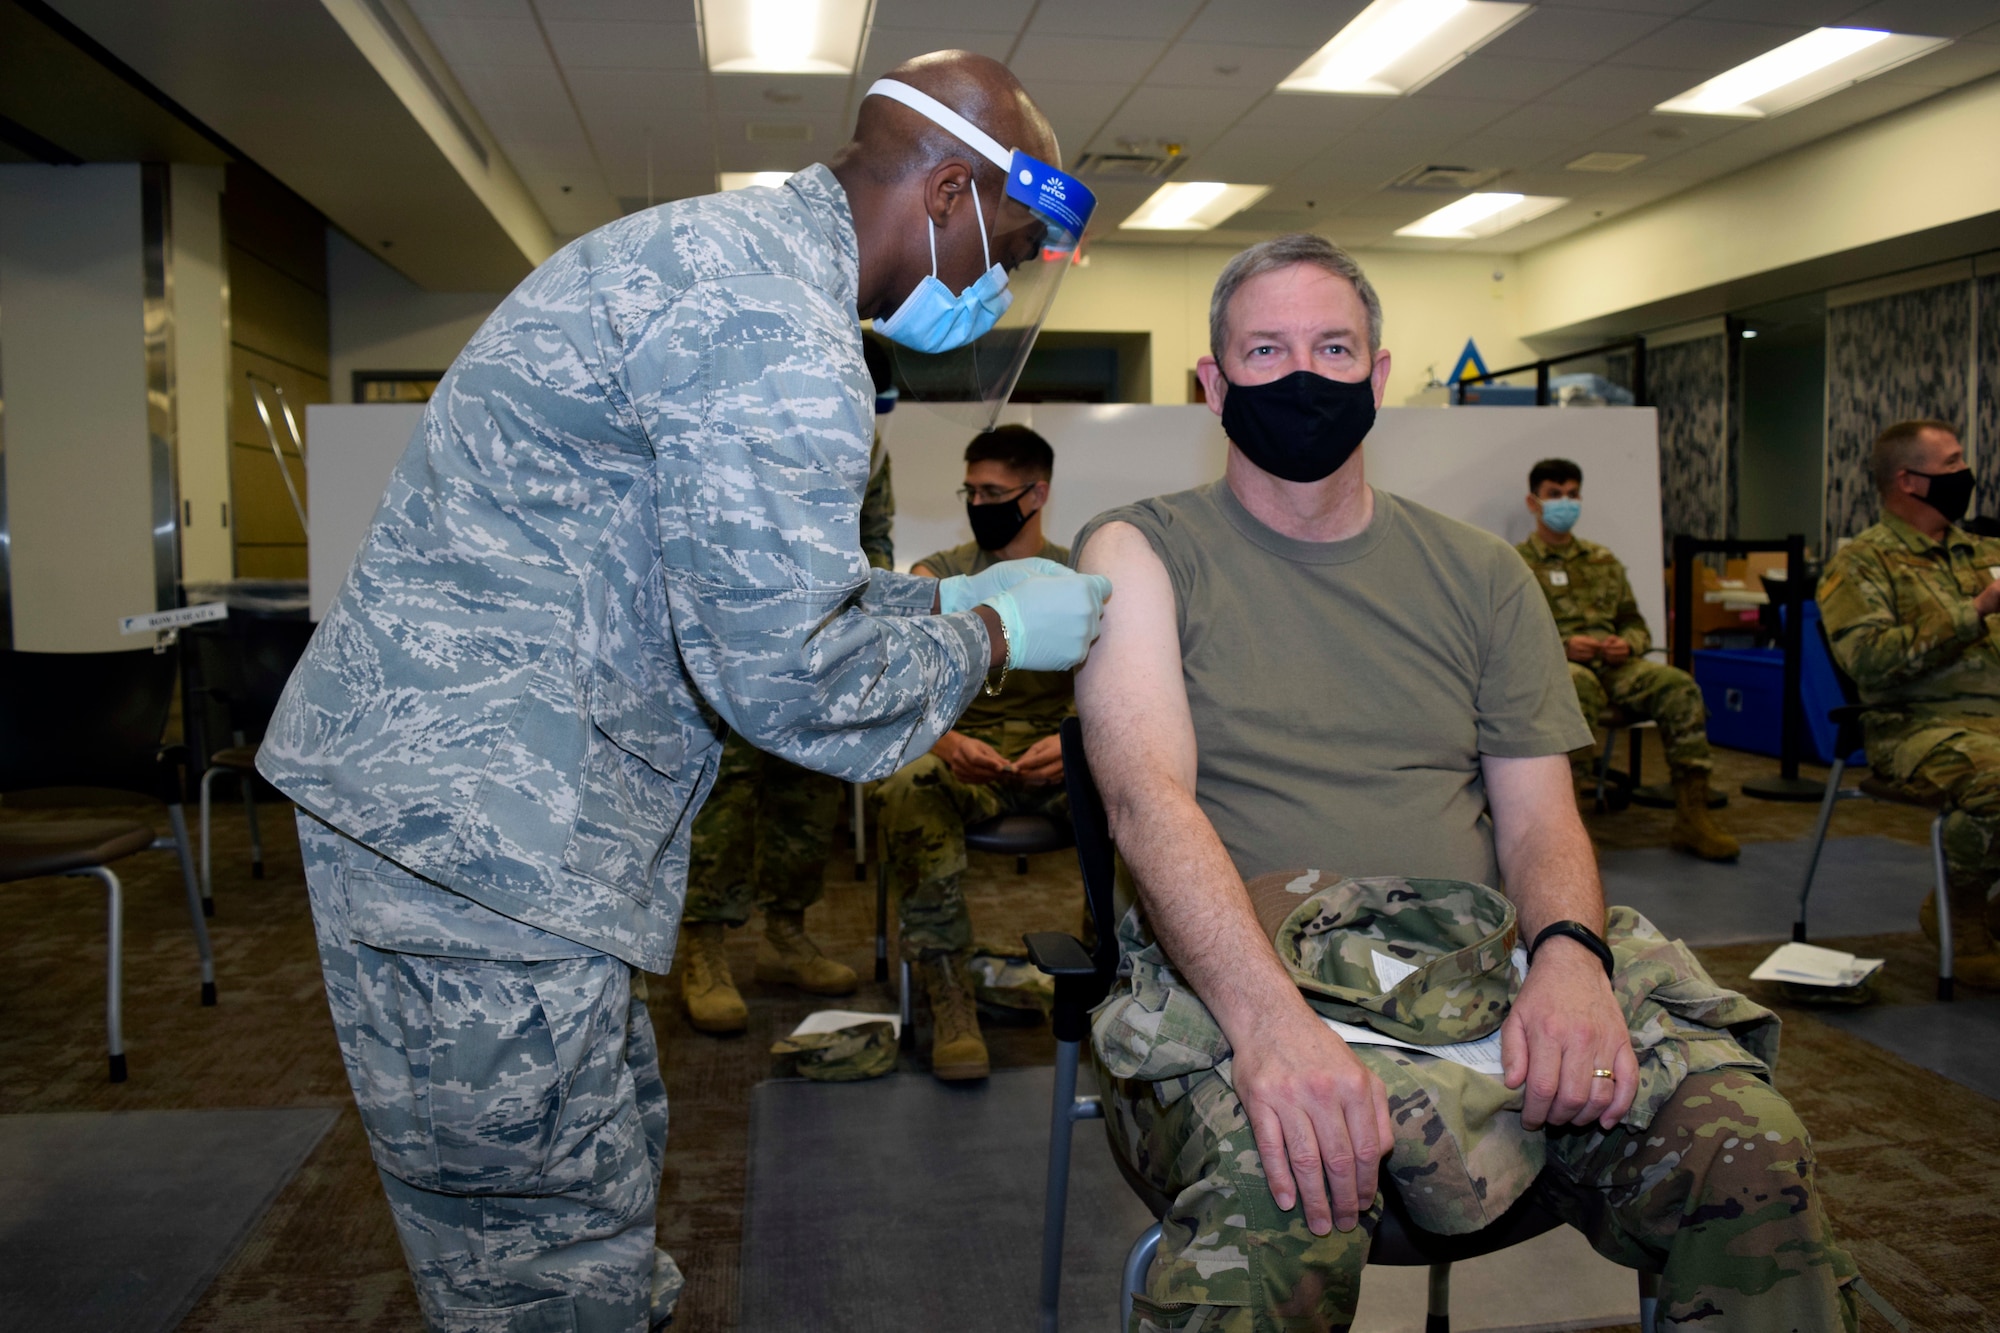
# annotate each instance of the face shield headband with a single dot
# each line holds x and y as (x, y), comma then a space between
(1026, 261)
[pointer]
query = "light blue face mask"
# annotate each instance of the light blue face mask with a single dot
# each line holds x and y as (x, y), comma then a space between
(1560, 515)
(931, 319)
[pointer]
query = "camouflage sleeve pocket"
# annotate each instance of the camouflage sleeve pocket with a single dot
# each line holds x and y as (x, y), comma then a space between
(1158, 1029)
(630, 800)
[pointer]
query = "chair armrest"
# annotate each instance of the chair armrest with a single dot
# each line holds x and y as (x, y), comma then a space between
(1058, 954)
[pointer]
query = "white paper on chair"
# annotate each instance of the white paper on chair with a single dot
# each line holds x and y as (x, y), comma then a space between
(1482, 1055)
(1810, 965)
(834, 1020)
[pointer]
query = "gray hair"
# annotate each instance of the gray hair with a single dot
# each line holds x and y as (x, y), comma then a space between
(1299, 247)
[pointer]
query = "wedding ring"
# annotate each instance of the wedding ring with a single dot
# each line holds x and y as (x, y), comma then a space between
(1601, 1073)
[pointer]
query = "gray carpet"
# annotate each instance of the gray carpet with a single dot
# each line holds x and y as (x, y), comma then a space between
(1864, 886)
(902, 1204)
(1960, 1040)
(121, 1219)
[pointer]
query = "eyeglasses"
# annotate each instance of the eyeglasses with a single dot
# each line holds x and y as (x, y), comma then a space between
(993, 495)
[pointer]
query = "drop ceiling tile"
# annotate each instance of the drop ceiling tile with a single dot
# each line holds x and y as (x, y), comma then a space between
(1223, 65)
(1316, 116)
(425, 10)
(780, 96)
(587, 45)
(486, 41)
(1252, 155)
(1544, 122)
(1427, 115)
(1144, 19)
(1075, 109)
(1668, 7)
(1805, 13)
(1620, 90)
(890, 47)
(1961, 62)
(1706, 48)
(1512, 79)
(1830, 115)
(1928, 18)
(1572, 34)
(615, 11)
(1297, 25)
(953, 15)
(1098, 59)
(1188, 116)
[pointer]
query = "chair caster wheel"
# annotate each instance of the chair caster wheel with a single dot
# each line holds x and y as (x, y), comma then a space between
(208, 994)
(208, 907)
(118, 1069)
(256, 870)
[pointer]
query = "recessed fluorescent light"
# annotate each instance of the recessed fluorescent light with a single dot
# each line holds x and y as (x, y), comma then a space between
(740, 180)
(782, 36)
(1479, 215)
(1825, 60)
(1193, 205)
(1397, 46)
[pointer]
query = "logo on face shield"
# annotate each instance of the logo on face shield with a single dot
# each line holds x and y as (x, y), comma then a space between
(1027, 176)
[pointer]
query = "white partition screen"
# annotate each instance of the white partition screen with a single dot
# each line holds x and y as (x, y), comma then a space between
(355, 447)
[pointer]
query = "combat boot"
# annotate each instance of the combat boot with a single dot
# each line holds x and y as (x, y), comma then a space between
(709, 991)
(1927, 915)
(958, 1052)
(795, 960)
(1974, 958)
(1694, 831)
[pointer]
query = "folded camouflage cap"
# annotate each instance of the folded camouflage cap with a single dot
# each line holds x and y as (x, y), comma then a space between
(866, 1050)
(1459, 936)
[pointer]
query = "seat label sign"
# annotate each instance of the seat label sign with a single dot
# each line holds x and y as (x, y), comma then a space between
(174, 619)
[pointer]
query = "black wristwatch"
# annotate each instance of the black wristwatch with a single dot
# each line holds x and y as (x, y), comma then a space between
(1583, 935)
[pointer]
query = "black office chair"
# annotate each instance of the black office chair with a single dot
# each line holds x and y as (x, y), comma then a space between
(1018, 836)
(237, 668)
(1848, 738)
(1083, 978)
(95, 720)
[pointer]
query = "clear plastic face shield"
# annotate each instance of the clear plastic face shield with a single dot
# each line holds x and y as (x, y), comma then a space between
(962, 352)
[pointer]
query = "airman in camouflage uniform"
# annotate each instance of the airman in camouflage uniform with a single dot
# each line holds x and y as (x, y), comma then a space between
(627, 522)
(1592, 600)
(764, 837)
(1909, 609)
(1700, 1182)
(926, 807)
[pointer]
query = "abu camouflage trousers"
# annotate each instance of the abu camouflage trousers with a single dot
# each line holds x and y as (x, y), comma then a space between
(1655, 692)
(924, 814)
(1716, 1195)
(762, 838)
(1957, 755)
(510, 1089)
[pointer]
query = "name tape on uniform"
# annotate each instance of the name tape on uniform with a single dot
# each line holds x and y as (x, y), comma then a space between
(174, 619)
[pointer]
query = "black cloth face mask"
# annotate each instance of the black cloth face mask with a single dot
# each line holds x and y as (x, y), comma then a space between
(1950, 493)
(994, 525)
(1302, 427)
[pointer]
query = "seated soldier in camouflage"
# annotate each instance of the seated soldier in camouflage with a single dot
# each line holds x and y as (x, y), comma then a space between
(1003, 757)
(1605, 639)
(766, 831)
(1909, 607)
(1301, 671)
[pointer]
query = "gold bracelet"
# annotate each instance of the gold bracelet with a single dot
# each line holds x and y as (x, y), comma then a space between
(991, 689)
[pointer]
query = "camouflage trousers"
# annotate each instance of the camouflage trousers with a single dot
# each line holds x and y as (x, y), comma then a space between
(1716, 1196)
(1655, 692)
(924, 814)
(762, 838)
(1957, 755)
(510, 1089)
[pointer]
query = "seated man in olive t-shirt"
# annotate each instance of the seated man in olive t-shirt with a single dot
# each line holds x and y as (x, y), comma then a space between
(1002, 758)
(1298, 670)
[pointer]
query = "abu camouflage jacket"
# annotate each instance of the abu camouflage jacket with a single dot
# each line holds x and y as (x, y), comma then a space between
(1461, 1155)
(628, 520)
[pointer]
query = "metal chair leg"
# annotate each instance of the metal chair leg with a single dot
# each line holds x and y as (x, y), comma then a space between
(906, 1005)
(1604, 767)
(1831, 799)
(114, 968)
(859, 815)
(1649, 1302)
(207, 877)
(1136, 1263)
(256, 840)
(1943, 906)
(178, 818)
(882, 921)
(1055, 1194)
(1437, 1315)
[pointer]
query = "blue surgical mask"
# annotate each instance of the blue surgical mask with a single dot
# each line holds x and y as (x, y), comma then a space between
(931, 319)
(1560, 515)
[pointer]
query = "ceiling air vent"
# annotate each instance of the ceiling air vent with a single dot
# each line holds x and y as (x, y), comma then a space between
(777, 132)
(1128, 166)
(1442, 180)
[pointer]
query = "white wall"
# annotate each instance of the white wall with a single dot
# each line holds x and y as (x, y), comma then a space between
(72, 362)
(200, 293)
(377, 319)
(355, 448)
(1431, 303)
(1928, 166)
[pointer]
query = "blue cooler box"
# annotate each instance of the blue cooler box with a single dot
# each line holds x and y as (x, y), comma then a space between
(1743, 689)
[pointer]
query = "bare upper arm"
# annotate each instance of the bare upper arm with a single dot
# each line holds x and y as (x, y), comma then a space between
(1130, 693)
(923, 570)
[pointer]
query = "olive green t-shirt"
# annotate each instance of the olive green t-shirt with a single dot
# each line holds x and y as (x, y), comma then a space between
(1031, 704)
(1343, 692)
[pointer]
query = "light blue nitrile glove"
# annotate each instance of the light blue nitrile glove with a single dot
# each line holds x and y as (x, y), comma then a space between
(1050, 619)
(962, 592)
